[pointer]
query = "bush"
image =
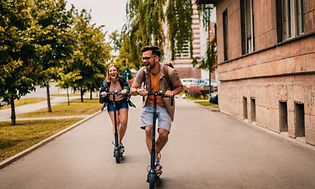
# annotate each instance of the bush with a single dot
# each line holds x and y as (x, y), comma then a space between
(194, 92)
(197, 92)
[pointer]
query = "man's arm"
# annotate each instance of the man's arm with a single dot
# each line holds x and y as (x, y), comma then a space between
(178, 86)
(134, 88)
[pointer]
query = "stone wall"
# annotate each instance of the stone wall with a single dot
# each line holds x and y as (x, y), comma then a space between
(275, 74)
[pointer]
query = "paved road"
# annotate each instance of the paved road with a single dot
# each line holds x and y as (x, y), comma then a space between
(205, 150)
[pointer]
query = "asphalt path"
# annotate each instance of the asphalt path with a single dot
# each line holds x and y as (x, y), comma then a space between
(205, 150)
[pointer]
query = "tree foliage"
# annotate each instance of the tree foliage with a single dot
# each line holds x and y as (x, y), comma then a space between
(91, 54)
(209, 62)
(18, 32)
(41, 40)
(179, 24)
(55, 23)
(146, 20)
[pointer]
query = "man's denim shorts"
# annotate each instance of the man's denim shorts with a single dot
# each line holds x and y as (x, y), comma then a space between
(119, 105)
(163, 118)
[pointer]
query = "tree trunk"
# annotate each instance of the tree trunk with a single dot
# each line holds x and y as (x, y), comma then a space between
(209, 83)
(13, 117)
(91, 93)
(48, 98)
(68, 97)
(81, 91)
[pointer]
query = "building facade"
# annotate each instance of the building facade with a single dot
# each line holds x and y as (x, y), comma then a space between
(266, 63)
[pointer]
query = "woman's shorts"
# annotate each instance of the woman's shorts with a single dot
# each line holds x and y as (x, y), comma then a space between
(119, 105)
(164, 119)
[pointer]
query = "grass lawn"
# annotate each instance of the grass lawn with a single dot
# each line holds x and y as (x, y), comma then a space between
(76, 108)
(24, 101)
(14, 139)
(65, 94)
(206, 103)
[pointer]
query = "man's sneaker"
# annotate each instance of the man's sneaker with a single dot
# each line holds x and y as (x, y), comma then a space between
(158, 169)
(158, 166)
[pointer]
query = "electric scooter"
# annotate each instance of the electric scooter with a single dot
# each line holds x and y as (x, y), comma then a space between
(152, 177)
(117, 148)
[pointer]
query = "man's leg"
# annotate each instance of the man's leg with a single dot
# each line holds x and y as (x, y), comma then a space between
(148, 137)
(161, 141)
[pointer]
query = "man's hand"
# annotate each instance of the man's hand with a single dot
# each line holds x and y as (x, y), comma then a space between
(169, 93)
(141, 92)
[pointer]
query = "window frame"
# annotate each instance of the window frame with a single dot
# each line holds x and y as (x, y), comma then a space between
(247, 15)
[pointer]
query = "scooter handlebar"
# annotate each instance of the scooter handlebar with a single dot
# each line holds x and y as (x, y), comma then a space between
(161, 94)
(114, 92)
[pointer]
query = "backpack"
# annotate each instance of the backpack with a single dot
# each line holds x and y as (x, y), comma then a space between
(167, 76)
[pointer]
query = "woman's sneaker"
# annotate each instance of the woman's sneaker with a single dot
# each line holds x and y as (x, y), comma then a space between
(122, 149)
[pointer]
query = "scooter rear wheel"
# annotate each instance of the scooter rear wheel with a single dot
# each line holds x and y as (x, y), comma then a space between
(152, 185)
(117, 155)
(152, 179)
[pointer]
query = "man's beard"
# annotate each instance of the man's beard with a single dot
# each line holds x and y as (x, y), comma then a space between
(149, 66)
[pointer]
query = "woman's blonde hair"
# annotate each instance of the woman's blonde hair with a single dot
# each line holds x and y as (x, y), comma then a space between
(107, 73)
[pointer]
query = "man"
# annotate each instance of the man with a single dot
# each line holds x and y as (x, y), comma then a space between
(156, 79)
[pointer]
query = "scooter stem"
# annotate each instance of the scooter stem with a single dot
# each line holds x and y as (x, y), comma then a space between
(153, 151)
(115, 122)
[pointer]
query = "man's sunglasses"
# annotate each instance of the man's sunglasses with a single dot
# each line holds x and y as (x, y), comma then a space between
(147, 58)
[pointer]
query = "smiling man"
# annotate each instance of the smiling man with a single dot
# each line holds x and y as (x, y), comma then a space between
(156, 77)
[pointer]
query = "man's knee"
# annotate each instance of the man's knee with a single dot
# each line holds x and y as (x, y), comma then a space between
(163, 133)
(148, 130)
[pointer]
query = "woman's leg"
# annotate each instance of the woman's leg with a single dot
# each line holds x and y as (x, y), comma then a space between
(111, 115)
(123, 118)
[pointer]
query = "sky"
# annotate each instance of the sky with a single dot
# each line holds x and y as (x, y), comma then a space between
(111, 13)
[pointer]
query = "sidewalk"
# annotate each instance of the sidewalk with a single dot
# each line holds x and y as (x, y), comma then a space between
(5, 114)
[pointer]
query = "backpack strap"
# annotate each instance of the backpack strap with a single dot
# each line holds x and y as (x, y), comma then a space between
(167, 76)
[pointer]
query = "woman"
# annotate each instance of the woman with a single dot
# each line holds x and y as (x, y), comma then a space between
(114, 82)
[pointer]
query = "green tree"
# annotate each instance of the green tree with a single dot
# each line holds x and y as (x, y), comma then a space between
(55, 35)
(179, 24)
(18, 49)
(209, 62)
(91, 54)
(66, 80)
(145, 25)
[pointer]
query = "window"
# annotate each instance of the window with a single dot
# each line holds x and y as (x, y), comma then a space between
(283, 116)
(245, 113)
(253, 109)
(290, 22)
(225, 34)
(247, 26)
(299, 120)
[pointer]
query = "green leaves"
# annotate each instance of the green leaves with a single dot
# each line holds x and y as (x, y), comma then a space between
(146, 20)
(40, 38)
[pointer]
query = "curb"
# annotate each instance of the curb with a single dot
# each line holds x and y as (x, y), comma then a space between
(19, 155)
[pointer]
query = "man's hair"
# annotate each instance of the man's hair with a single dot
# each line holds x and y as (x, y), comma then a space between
(155, 50)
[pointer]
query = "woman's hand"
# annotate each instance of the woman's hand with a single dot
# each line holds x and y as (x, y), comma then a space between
(124, 91)
(103, 94)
